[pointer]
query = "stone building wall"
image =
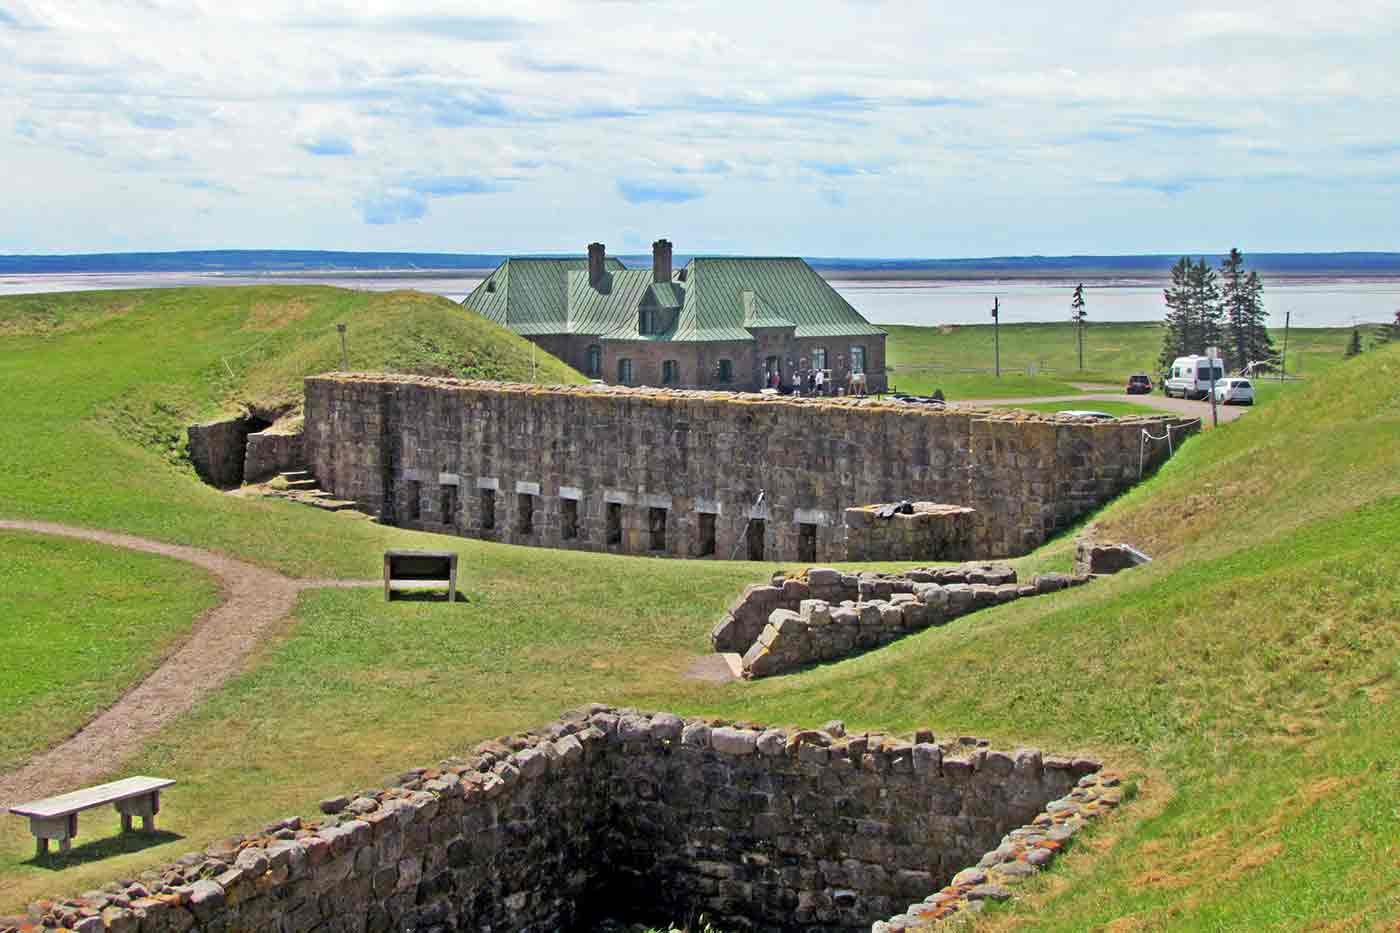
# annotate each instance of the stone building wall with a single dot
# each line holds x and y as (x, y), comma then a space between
(606, 811)
(931, 532)
(678, 473)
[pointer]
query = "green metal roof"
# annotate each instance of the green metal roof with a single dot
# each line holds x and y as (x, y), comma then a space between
(718, 299)
(529, 295)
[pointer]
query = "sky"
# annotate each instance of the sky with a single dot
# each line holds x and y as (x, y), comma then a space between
(818, 128)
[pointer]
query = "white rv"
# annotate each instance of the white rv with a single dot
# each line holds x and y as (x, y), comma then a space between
(1190, 376)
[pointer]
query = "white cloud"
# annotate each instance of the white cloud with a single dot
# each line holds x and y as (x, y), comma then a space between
(541, 125)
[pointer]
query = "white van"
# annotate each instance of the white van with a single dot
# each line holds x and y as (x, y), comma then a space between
(1190, 376)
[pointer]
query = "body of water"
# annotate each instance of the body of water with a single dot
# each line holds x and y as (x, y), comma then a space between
(1313, 301)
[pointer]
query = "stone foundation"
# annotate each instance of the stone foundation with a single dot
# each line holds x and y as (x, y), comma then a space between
(271, 452)
(616, 810)
(822, 614)
(699, 474)
(932, 532)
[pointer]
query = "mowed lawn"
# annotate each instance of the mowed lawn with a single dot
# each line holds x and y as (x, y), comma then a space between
(80, 624)
(1245, 679)
(1112, 353)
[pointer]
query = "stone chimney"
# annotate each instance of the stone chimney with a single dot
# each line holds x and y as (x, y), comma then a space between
(661, 261)
(596, 254)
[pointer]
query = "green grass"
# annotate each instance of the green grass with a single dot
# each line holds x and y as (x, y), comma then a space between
(80, 623)
(1112, 352)
(1246, 679)
(1117, 409)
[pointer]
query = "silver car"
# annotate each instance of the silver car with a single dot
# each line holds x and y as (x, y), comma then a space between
(1234, 391)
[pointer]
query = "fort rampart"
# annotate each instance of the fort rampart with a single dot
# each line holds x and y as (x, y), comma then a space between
(699, 474)
(612, 812)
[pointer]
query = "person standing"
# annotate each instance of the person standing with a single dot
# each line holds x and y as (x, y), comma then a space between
(819, 382)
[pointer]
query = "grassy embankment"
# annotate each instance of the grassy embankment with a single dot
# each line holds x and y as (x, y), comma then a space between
(80, 623)
(1112, 352)
(1246, 678)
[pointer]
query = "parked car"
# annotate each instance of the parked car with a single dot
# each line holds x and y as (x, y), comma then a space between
(1085, 413)
(1139, 385)
(1191, 377)
(1234, 391)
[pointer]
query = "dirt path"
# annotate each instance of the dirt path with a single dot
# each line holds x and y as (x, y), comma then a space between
(1180, 406)
(217, 646)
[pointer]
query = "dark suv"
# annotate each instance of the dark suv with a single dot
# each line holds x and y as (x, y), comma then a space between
(1139, 385)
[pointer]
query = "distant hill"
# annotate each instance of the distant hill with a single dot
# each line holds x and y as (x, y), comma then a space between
(244, 262)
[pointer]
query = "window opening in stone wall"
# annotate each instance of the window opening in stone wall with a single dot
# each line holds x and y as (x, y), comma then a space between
(819, 358)
(568, 519)
(724, 372)
(656, 524)
(624, 372)
(706, 547)
(488, 509)
(525, 513)
(806, 542)
(857, 358)
(595, 361)
(614, 523)
(415, 499)
(448, 502)
(670, 372)
(757, 528)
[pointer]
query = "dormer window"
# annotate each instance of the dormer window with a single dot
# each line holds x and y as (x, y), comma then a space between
(646, 321)
(491, 285)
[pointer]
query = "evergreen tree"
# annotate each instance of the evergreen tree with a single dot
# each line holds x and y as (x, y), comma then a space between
(1242, 304)
(1078, 314)
(1385, 333)
(1208, 319)
(1354, 345)
(1176, 336)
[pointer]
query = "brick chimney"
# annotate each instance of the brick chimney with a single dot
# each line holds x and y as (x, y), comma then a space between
(661, 261)
(597, 253)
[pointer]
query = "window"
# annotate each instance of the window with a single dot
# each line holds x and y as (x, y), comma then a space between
(525, 513)
(819, 358)
(624, 372)
(725, 371)
(415, 499)
(670, 372)
(707, 535)
(806, 542)
(646, 323)
(614, 523)
(595, 361)
(448, 503)
(857, 359)
(568, 525)
(757, 527)
(656, 524)
(488, 509)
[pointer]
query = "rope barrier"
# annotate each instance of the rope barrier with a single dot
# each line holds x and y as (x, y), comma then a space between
(1149, 436)
(745, 534)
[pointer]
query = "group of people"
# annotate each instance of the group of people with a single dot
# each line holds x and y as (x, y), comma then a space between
(815, 383)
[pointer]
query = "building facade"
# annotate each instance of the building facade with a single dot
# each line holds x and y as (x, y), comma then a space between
(738, 323)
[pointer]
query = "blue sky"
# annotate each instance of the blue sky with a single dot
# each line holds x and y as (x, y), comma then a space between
(824, 127)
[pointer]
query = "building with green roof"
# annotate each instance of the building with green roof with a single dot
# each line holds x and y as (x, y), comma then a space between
(720, 322)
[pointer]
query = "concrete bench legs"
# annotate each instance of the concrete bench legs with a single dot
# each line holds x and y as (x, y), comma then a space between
(65, 828)
(145, 807)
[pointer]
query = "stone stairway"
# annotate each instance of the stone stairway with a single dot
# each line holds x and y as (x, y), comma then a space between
(300, 486)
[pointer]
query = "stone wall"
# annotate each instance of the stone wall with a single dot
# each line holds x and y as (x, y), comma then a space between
(822, 614)
(616, 810)
(216, 448)
(931, 532)
(271, 452)
(679, 473)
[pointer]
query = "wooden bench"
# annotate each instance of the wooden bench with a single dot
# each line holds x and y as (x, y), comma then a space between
(420, 570)
(57, 817)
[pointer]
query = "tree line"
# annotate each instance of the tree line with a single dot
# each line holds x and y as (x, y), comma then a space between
(1225, 309)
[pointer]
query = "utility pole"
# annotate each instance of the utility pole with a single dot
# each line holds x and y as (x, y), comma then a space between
(1212, 357)
(344, 356)
(996, 332)
(1283, 364)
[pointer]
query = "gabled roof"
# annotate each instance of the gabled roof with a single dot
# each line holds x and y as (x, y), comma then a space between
(717, 299)
(530, 295)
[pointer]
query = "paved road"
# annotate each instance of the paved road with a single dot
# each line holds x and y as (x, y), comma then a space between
(254, 599)
(1177, 406)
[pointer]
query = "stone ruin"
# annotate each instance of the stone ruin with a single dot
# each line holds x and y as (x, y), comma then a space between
(822, 614)
(248, 448)
(929, 531)
(608, 810)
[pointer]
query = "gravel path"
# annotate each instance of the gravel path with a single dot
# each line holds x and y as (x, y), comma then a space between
(254, 599)
(1180, 406)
